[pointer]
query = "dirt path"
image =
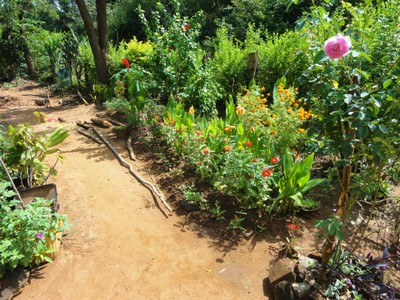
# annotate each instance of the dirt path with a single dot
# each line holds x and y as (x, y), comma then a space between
(121, 245)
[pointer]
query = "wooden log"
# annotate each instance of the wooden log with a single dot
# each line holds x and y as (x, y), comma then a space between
(101, 122)
(84, 126)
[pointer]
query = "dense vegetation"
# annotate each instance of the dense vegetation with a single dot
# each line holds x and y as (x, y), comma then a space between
(246, 93)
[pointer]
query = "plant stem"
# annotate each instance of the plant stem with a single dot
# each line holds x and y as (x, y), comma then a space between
(328, 246)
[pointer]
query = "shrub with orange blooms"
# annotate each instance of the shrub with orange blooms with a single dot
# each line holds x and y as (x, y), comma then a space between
(281, 117)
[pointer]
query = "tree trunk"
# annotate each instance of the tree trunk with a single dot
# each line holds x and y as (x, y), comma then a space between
(98, 41)
(29, 63)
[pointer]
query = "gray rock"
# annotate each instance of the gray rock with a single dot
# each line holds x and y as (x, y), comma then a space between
(283, 291)
(308, 263)
(13, 283)
(281, 270)
(301, 290)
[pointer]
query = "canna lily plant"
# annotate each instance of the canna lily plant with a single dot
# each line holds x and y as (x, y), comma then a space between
(294, 183)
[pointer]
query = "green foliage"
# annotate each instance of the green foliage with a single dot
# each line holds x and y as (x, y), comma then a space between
(130, 95)
(24, 152)
(294, 183)
(333, 225)
(26, 234)
(229, 63)
(177, 60)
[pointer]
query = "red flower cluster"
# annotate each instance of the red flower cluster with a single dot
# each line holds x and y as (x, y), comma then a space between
(126, 63)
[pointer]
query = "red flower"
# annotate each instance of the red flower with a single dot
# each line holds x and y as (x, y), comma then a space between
(186, 27)
(126, 63)
(292, 226)
(254, 160)
(249, 144)
(266, 173)
(274, 160)
(205, 151)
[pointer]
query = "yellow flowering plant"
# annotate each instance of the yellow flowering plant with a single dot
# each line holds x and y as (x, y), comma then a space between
(280, 117)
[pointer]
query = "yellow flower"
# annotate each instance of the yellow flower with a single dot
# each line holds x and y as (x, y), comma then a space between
(301, 130)
(240, 148)
(191, 110)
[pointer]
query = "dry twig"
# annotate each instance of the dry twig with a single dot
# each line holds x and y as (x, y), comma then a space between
(132, 171)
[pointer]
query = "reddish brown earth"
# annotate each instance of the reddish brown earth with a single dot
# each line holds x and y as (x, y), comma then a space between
(123, 243)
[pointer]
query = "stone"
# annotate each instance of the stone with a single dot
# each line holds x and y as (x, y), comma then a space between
(308, 263)
(13, 283)
(282, 270)
(283, 291)
(301, 290)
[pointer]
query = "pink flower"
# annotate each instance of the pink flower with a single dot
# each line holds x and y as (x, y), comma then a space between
(40, 235)
(337, 46)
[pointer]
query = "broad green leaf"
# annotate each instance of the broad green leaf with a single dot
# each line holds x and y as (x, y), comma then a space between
(320, 57)
(312, 183)
(387, 83)
(383, 128)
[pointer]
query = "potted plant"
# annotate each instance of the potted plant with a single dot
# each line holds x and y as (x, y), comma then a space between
(24, 152)
(30, 234)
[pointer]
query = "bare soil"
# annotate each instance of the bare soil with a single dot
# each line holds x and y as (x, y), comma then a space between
(123, 243)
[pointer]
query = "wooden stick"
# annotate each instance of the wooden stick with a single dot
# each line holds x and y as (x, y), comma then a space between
(89, 136)
(83, 99)
(84, 126)
(132, 171)
(115, 122)
(129, 147)
(12, 182)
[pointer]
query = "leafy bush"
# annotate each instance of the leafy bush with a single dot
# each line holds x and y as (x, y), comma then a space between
(26, 233)
(177, 60)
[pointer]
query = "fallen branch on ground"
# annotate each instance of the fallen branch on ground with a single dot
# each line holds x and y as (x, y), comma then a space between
(132, 171)
(129, 147)
(90, 136)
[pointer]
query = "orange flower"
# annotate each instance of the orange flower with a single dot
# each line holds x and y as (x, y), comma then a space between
(292, 226)
(273, 132)
(205, 151)
(240, 110)
(274, 160)
(266, 173)
(227, 148)
(249, 144)
(301, 130)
